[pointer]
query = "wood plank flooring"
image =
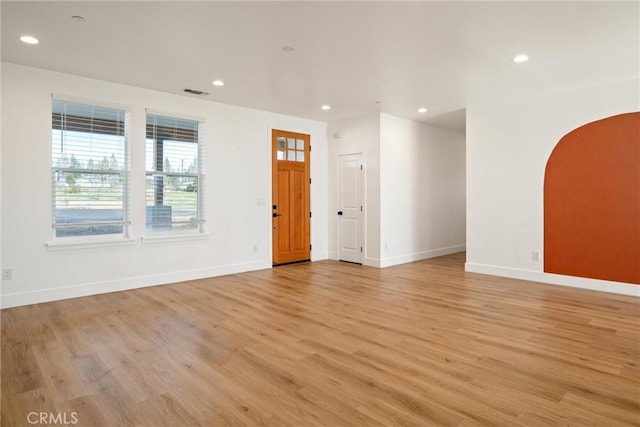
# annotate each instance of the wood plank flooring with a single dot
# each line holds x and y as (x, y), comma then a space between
(329, 343)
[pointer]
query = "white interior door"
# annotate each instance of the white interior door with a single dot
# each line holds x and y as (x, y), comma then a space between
(350, 208)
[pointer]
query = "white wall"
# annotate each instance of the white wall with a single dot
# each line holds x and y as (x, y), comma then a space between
(422, 190)
(1, 261)
(238, 177)
(353, 136)
(508, 145)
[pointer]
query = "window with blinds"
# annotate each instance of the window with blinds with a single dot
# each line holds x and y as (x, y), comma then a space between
(174, 174)
(90, 167)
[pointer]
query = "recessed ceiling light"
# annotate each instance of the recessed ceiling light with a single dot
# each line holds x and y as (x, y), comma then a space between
(29, 40)
(422, 110)
(326, 107)
(288, 48)
(218, 83)
(520, 58)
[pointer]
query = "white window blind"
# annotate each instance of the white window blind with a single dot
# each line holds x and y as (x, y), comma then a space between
(174, 174)
(90, 167)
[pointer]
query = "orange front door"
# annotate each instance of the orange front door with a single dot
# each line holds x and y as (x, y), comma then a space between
(291, 201)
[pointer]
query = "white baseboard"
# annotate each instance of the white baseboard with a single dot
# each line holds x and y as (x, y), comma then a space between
(371, 262)
(555, 279)
(333, 255)
(55, 294)
(319, 256)
(417, 256)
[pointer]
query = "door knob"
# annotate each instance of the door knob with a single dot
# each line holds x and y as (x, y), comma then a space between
(339, 212)
(275, 215)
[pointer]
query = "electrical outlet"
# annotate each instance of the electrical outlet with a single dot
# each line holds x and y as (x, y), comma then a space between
(7, 274)
(535, 256)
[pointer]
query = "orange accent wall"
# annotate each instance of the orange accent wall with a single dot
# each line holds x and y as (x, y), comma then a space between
(592, 201)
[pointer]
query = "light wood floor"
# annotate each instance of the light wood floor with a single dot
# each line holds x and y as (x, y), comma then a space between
(329, 343)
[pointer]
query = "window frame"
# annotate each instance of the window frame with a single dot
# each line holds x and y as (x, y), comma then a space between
(200, 222)
(125, 173)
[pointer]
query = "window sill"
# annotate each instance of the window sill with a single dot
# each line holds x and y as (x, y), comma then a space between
(170, 238)
(71, 245)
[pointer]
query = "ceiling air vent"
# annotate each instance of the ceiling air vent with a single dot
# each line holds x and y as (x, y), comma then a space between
(196, 92)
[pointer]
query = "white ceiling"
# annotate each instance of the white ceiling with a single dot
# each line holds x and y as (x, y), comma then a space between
(441, 55)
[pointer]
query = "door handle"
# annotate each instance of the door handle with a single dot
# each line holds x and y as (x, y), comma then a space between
(275, 215)
(339, 212)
